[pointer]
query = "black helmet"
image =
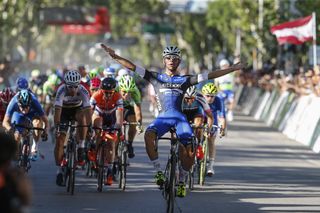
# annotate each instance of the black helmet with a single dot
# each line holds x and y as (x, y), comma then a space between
(108, 83)
(24, 98)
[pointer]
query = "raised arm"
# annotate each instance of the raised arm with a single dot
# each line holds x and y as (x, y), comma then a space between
(124, 62)
(218, 73)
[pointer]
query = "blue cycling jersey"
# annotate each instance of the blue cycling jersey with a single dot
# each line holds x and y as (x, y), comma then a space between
(193, 110)
(35, 107)
(170, 91)
(196, 108)
(217, 109)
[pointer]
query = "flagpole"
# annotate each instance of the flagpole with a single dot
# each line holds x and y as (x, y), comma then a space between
(314, 26)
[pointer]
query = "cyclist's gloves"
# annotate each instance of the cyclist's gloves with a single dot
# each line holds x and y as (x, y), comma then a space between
(44, 136)
(10, 131)
(57, 128)
(139, 128)
(222, 132)
(90, 132)
(206, 132)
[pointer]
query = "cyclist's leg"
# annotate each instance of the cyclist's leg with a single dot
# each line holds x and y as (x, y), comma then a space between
(198, 121)
(186, 151)
(21, 119)
(36, 122)
(186, 154)
(81, 132)
(130, 117)
(230, 104)
(157, 128)
(60, 138)
(97, 123)
(109, 121)
(212, 152)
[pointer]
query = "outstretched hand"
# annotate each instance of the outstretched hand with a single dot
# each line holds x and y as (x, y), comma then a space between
(238, 66)
(110, 51)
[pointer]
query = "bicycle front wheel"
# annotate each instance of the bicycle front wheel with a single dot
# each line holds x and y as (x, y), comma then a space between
(101, 171)
(203, 164)
(191, 178)
(71, 168)
(123, 168)
(171, 184)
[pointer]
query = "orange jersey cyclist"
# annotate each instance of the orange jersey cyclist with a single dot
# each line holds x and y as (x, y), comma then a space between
(108, 111)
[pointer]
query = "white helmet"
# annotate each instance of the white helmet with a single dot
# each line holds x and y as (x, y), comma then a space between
(191, 92)
(72, 77)
(122, 72)
(171, 50)
(224, 62)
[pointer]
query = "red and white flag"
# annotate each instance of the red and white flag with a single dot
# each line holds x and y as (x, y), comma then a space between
(294, 32)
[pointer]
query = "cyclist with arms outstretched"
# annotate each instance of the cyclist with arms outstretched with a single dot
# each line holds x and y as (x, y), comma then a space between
(170, 88)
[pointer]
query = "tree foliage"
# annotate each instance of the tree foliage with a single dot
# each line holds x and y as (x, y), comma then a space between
(199, 35)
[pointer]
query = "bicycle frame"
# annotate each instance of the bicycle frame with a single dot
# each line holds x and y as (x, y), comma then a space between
(123, 156)
(70, 152)
(25, 147)
(202, 164)
(168, 190)
(101, 153)
(71, 156)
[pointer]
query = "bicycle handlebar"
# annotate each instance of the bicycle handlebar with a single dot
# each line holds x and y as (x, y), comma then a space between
(203, 126)
(107, 128)
(131, 123)
(28, 128)
(73, 125)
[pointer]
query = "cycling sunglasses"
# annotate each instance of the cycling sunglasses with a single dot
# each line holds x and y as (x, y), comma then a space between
(188, 99)
(125, 92)
(24, 106)
(210, 96)
(72, 86)
(108, 92)
(94, 89)
(172, 57)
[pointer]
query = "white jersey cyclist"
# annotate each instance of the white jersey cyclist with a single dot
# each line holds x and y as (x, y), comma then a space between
(66, 101)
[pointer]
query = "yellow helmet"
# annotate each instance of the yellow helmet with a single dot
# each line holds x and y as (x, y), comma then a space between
(210, 88)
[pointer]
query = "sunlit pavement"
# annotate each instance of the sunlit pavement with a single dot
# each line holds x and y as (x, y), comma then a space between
(257, 170)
